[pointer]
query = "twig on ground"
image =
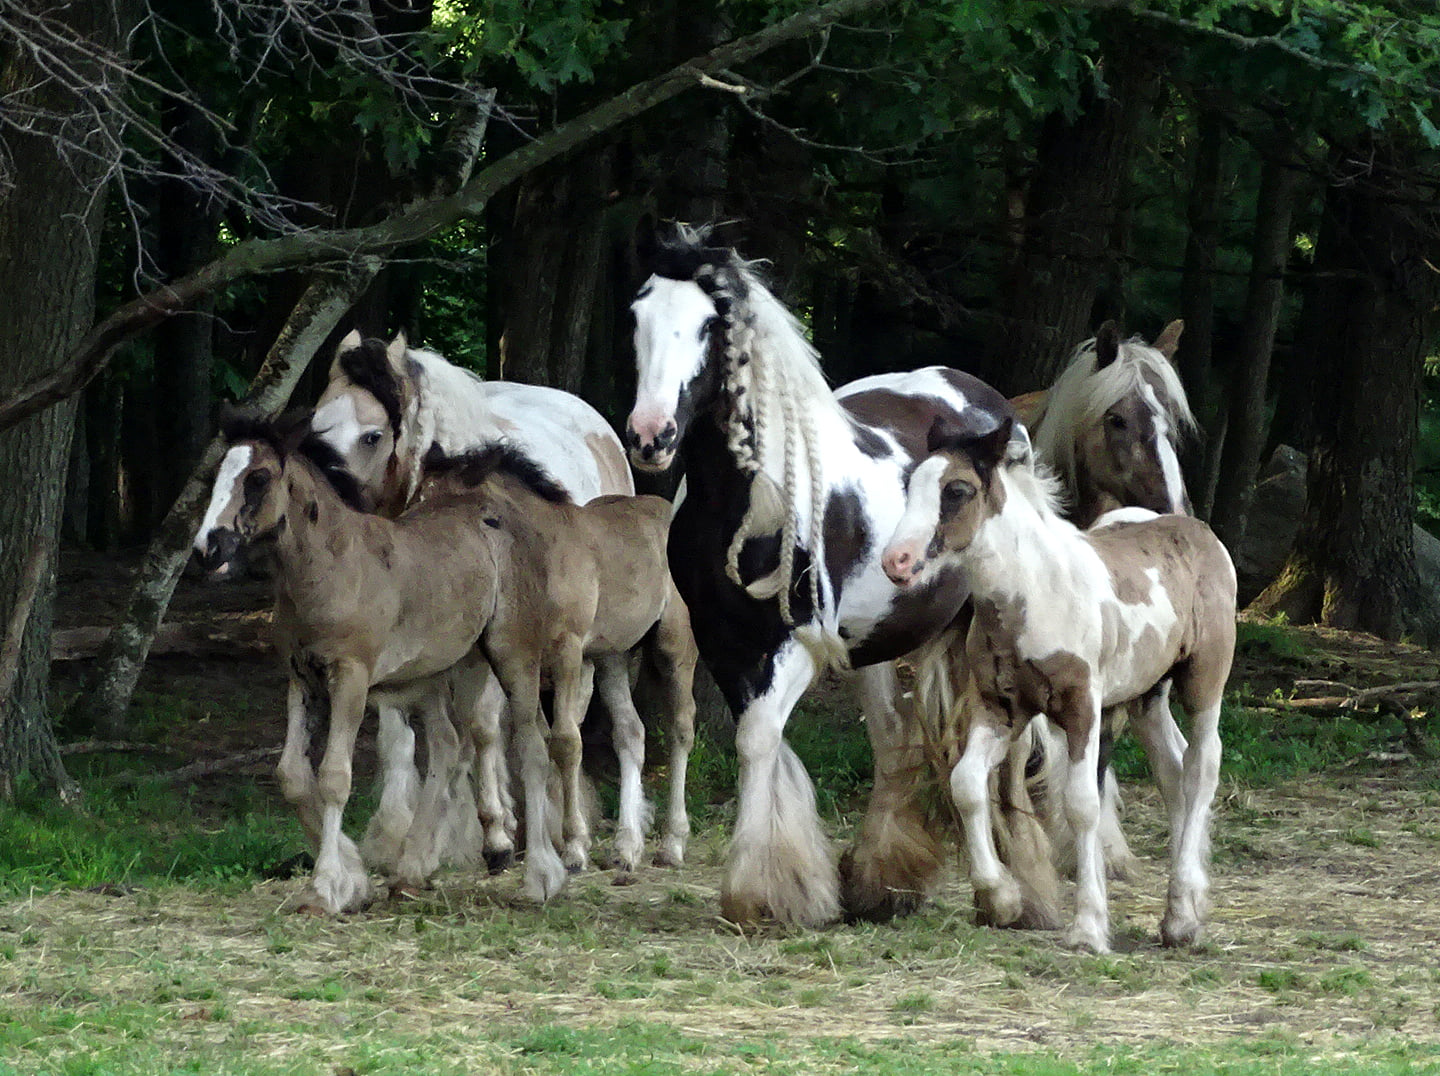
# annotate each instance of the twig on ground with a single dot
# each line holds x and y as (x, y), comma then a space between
(205, 767)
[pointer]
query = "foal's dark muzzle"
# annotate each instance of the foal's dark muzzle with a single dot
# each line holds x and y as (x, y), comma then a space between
(222, 551)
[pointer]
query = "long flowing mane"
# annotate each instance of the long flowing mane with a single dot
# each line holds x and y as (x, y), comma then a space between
(773, 382)
(1082, 394)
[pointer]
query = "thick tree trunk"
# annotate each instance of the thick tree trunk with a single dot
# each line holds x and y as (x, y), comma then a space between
(1197, 300)
(1071, 206)
(49, 238)
(1245, 435)
(1353, 565)
(122, 658)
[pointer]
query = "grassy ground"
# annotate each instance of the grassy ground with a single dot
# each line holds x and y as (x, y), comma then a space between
(140, 938)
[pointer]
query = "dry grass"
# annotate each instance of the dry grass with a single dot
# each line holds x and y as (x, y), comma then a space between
(1326, 932)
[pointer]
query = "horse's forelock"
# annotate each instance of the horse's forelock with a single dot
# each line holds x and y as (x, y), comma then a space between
(368, 367)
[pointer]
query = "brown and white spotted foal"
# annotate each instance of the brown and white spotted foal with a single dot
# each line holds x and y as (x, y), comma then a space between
(1070, 623)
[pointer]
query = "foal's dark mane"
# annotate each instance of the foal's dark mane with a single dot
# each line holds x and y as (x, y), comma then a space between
(474, 467)
(368, 365)
(331, 464)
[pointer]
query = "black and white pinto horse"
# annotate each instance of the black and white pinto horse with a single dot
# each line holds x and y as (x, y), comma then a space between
(776, 547)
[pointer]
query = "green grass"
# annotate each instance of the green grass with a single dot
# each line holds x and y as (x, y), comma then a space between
(137, 835)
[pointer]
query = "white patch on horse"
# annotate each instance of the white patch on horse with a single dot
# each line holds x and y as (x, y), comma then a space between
(1128, 514)
(336, 422)
(1165, 450)
(231, 468)
(921, 517)
(670, 318)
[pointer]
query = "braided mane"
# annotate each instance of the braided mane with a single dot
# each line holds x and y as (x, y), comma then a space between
(771, 381)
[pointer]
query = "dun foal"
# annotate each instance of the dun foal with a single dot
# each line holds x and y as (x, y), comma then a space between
(1071, 623)
(487, 568)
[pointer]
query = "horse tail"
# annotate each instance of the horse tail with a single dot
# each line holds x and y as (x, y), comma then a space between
(1021, 838)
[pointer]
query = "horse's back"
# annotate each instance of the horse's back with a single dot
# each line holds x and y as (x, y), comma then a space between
(559, 431)
(906, 405)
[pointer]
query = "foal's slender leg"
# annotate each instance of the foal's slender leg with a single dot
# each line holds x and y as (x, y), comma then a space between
(340, 879)
(612, 675)
(997, 895)
(779, 859)
(674, 655)
(574, 683)
(1165, 748)
(399, 788)
(420, 852)
(296, 774)
(1187, 902)
(460, 838)
(492, 773)
(544, 872)
(1091, 926)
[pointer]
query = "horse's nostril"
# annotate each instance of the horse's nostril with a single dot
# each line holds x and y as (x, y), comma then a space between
(631, 437)
(666, 436)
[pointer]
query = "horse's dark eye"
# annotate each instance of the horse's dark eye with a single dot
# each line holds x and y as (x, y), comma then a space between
(710, 325)
(1115, 422)
(371, 439)
(954, 494)
(256, 483)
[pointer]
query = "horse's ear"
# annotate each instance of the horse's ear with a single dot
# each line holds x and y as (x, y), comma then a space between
(991, 447)
(395, 352)
(1107, 344)
(352, 339)
(1168, 342)
(942, 434)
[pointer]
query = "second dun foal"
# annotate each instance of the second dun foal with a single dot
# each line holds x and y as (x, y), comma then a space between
(489, 567)
(1070, 624)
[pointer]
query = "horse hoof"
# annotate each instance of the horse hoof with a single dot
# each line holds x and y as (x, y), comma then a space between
(1180, 935)
(499, 860)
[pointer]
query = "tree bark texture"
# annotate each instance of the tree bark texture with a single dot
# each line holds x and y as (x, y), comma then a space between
(49, 235)
(1353, 564)
(1197, 298)
(1071, 207)
(1245, 435)
(122, 658)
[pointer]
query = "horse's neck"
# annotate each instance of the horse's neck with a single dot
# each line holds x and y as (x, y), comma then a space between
(318, 537)
(1026, 549)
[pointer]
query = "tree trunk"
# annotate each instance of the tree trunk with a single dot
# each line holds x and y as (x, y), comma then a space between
(185, 238)
(1245, 435)
(123, 656)
(1071, 205)
(49, 238)
(1353, 565)
(1197, 300)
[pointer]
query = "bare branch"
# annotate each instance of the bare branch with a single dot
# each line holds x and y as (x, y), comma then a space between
(415, 223)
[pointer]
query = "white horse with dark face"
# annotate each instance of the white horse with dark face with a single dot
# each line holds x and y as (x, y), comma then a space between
(791, 494)
(1071, 624)
(384, 409)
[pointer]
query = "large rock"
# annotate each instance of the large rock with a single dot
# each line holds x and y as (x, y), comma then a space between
(1275, 517)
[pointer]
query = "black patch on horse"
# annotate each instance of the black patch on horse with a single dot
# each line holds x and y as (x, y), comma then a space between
(369, 367)
(871, 443)
(475, 466)
(847, 537)
(331, 465)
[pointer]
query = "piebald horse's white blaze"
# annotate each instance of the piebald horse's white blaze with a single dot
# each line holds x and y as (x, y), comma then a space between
(1075, 623)
(771, 453)
(382, 412)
